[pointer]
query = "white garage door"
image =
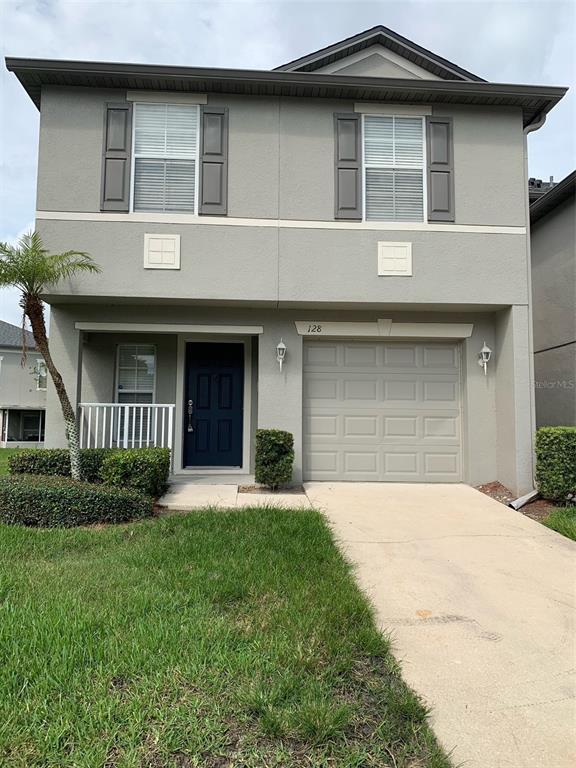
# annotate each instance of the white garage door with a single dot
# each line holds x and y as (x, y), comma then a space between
(382, 411)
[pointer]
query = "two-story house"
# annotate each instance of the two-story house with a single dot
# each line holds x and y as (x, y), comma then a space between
(22, 390)
(328, 248)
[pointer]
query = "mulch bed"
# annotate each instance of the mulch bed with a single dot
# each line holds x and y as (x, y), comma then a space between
(537, 510)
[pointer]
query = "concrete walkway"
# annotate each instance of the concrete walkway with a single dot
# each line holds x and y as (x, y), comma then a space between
(183, 496)
(480, 602)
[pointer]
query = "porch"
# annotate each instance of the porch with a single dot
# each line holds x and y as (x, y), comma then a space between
(171, 387)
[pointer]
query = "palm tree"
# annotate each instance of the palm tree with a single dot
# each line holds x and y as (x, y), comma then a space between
(32, 269)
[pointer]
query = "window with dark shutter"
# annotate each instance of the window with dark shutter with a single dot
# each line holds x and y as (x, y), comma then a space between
(165, 157)
(440, 147)
(347, 166)
(117, 139)
(393, 168)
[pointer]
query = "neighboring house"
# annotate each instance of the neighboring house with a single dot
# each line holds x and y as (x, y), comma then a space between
(537, 188)
(553, 246)
(22, 390)
(362, 209)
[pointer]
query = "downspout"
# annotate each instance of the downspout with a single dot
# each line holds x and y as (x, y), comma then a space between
(531, 495)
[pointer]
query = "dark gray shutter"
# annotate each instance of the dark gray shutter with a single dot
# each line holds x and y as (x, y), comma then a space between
(213, 161)
(115, 194)
(348, 166)
(440, 150)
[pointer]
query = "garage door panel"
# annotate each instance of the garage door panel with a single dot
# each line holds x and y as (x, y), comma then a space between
(400, 356)
(321, 388)
(441, 464)
(321, 355)
(400, 426)
(382, 411)
(360, 355)
(440, 391)
(400, 390)
(439, 356)
(439, 427)
(366, 426)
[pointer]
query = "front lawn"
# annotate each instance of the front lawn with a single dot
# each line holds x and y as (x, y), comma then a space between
(5, 454)
(217, 639)
(563, 520)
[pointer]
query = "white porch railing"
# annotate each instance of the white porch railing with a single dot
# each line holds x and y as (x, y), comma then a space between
(123, 425)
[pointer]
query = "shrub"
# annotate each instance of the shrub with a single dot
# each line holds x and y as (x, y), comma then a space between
(556, 462)
(60, 502)
(56, 461)
(274, 457)
(144, 469)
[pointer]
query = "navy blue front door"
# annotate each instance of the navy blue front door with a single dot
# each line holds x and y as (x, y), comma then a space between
(213, 405)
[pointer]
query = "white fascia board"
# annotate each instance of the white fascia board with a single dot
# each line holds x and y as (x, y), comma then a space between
(231, 330)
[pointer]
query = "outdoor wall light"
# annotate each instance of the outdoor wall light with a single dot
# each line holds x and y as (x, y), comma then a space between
(484, 357)
(280, 353)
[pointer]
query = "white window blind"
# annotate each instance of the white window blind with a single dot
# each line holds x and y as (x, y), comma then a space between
(136, 377)
(165, 157)
(393, 168)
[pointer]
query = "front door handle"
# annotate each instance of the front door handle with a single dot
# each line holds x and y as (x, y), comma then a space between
(190, 412)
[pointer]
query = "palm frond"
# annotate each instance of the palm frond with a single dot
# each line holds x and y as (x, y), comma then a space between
(30, 267)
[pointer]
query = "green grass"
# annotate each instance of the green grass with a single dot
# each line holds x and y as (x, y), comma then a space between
(563, 520)
(214, 639)
(5, 454)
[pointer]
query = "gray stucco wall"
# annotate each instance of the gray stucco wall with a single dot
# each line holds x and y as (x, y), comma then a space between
(553, 255)
(281, 159)
(18, 385)
(264, 264)
(497, 442)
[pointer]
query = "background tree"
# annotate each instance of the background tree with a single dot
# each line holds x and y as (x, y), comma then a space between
(31, 269)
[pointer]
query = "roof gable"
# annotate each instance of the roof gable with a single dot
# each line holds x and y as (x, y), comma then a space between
(11, 336)
(418, 62)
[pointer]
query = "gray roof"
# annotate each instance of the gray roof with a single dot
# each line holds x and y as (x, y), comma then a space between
(380, 35)
(11, 336)
(557, 195)
(534, 100)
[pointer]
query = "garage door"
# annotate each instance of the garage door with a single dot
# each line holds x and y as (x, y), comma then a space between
(382, 411)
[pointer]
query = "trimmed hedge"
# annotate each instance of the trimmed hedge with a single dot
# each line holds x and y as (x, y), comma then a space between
(60, 502)
(56, 461)
(146, 470)
(556, 462)
(274, 457)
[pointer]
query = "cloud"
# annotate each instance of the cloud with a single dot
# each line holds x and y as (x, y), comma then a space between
(505, 41)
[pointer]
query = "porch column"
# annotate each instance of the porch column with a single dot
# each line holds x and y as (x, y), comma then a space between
(280, 393)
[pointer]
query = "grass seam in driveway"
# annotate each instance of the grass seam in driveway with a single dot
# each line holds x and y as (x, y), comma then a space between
(211, 639)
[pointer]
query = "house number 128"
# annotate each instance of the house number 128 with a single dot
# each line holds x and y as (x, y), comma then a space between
(314, 329)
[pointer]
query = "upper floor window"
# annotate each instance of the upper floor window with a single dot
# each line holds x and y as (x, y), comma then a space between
(165, 157)
(393, 168)
(41, 375)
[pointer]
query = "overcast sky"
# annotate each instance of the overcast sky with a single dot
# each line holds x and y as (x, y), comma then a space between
(505, 42)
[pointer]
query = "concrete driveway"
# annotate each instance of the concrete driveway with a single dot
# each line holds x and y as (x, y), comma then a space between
(480, 602)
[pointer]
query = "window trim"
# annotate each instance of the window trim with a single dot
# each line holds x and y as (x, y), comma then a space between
(197, 157)
(422, 118)
(40, 363)
(117, 372)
